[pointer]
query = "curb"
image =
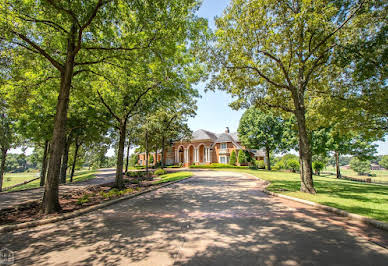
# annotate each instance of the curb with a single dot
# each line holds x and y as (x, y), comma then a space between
(13, 227)
(366, 220)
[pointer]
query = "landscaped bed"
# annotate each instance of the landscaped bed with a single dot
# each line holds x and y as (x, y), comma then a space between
(88, 196)
(361, 198)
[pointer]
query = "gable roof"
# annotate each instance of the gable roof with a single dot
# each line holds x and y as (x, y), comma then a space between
(202, 134)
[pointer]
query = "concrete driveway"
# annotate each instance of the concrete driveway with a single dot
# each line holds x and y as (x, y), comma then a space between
(214, 218)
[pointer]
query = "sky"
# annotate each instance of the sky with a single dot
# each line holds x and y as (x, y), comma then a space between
(214, 113)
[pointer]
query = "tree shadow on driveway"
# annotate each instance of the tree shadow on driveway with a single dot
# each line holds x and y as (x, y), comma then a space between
(211, 219)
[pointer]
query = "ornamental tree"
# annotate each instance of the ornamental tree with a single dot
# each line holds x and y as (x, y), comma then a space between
(241, 158)
(233, 158)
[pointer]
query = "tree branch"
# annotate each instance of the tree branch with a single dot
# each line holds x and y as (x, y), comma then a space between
(108, 107)
(261, 75)
(69, 12)
(335, 31)
(55, 63)
(46, 22)
(140, 96)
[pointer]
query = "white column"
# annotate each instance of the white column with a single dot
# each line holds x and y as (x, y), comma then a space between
(196, 155)
(210, 155)
(185, 155)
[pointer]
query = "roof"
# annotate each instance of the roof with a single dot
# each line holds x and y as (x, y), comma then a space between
(203, 134)
(260, 152)
(225, 137)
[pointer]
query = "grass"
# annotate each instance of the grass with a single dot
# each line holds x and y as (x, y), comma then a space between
(11, 179)
(381, 175)
(172, 177)
(79, 176)
(361, 198)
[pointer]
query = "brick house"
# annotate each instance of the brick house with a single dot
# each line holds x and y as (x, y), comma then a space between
(205, 147)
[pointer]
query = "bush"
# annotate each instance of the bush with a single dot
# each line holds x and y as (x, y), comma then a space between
(233, 159)
(293, 165)
(160, 172)
(217, 165)
(318, 166)
(151, 159)
(241, 157)
(260, 164)
(279, 165)
(82, 200)
(360, 167)
(175, 166)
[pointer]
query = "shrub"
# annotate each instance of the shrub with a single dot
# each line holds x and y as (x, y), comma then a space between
(318, 166)
(279, 165)
(360, 167)
(241, 157)
(233, 159)
(260, 164)
(217, 165)
(82, 200)
(160, 172)
(293, 165)
(151, 159)
(175, 166)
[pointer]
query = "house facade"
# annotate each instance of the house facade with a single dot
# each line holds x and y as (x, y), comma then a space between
(205, 147)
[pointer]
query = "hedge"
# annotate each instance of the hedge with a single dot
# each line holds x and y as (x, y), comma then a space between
(217, 165)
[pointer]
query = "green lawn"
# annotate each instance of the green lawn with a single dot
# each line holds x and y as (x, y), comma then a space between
(381, 175)
(79, 176)
(11, 179)
(360, 198)
(173, 177)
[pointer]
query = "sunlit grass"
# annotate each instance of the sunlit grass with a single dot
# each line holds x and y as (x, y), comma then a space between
(381, 175)
(361, 198)
(173, 177)
(79, 176)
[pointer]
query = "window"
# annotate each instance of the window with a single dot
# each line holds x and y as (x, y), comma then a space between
(223, 159)
(223, 146)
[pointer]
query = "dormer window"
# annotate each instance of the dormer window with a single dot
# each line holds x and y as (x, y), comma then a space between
(223, 146)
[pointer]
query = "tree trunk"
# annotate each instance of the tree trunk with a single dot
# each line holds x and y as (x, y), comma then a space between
(162, 164)
(2, 168)
(77, 145)
(306, 169)
(127, 162)
(146, 152)
(337, 164)
(119, 182)
(65, 160)
(268, 159)
(156, 158)
(50, 202)
(44, 163)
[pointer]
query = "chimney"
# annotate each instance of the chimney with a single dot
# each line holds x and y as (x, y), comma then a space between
(227, 130)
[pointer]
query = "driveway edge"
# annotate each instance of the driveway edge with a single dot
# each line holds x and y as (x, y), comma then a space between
(13, 227)
(364, 219)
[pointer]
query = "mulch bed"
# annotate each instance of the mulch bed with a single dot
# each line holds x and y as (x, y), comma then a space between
(71, 201)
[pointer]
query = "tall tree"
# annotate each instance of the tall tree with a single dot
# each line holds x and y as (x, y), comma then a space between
(258, 129)
(74, 35)
(6, 137)
(277, 54)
